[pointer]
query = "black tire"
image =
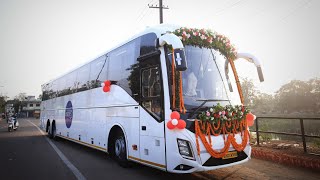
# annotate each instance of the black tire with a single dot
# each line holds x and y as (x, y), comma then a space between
(120, 149)
(50, 132)
(54, 132)
(47, 127)
(9, 129)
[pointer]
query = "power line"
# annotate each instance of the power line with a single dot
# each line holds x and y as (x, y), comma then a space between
(143, 15)
(229, 7)
(160, 7)
(305, 3)
(142, 11)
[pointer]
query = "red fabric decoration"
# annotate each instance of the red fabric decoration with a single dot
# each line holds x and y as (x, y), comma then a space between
(250, 119)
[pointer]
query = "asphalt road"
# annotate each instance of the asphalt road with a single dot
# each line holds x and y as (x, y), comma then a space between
(28, 154)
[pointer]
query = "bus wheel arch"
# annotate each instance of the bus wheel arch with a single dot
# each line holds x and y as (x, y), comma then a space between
(118, 146)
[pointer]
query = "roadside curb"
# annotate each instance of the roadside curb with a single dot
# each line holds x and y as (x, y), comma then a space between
(286, 159)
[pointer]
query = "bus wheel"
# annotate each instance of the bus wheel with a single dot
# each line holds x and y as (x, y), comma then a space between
(54, 131)
(50, 131)
(47, 127)
(120, 149)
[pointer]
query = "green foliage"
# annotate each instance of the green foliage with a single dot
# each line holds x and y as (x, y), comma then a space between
(264, 127)
(295, 97)
(227, 113)
(299, 97)
(311, 127)
(2, 102)
(316, 142)
(249, 91)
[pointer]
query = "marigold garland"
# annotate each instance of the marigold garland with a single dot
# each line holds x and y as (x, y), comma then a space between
(230, 139)
(177, 87)
(227, 121)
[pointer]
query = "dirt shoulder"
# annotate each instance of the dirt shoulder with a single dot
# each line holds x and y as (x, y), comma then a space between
(287, 153)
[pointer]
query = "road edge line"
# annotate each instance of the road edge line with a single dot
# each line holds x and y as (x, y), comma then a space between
(65, 160)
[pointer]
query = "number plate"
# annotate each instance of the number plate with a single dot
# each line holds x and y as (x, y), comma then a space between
(229, 155)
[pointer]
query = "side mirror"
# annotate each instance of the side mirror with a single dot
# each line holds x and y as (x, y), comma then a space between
(180, 60)
(261, 78)
(255, 61)
(175, 42)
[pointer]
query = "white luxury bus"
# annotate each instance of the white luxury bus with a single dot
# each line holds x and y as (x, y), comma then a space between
(127, 102)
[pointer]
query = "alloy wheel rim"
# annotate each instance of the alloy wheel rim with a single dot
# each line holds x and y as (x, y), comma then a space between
(119, 147)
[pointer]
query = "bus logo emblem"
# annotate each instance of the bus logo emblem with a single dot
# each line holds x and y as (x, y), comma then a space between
(69, 114)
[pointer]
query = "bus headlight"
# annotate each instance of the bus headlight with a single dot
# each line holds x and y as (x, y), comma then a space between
(185, 149)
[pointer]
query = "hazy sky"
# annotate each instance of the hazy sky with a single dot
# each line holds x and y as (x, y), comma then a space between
(42, 39)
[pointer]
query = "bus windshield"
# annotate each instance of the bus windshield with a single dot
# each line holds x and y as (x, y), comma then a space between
(205, 79)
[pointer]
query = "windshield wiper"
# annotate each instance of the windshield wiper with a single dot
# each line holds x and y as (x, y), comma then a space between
(212, 100)
(204, 102)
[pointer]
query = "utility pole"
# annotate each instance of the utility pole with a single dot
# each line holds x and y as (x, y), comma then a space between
(161, 7)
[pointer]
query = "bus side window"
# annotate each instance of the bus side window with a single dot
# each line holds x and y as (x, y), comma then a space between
(98, 71)
(83, 78)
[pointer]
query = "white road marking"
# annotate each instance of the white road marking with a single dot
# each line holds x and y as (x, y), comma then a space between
(74, 170)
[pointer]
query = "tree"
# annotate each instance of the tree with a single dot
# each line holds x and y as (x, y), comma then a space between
(21, 96)
(315, 93)
(299, 96)
(264, 103)
(40, 96)
(3, 100)
(249, 91)
(18, 101)
(259, 103)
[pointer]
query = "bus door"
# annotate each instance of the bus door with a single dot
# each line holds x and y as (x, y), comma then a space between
(152, 143)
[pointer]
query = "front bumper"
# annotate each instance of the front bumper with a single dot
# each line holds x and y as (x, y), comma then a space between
(203, 162)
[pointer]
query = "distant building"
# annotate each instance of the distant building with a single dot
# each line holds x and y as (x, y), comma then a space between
(30, 107)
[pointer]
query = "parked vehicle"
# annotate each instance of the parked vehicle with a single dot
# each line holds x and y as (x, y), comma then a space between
(169, 98)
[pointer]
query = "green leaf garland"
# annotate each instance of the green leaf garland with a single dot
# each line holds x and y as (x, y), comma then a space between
(227, 113)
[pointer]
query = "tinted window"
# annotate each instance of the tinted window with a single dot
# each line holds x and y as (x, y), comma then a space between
(98, 71)
(70, 86)
(61, 86)
(53, 89)
(45, 92)
(120, 64)
(83, 78)
(148, 43)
